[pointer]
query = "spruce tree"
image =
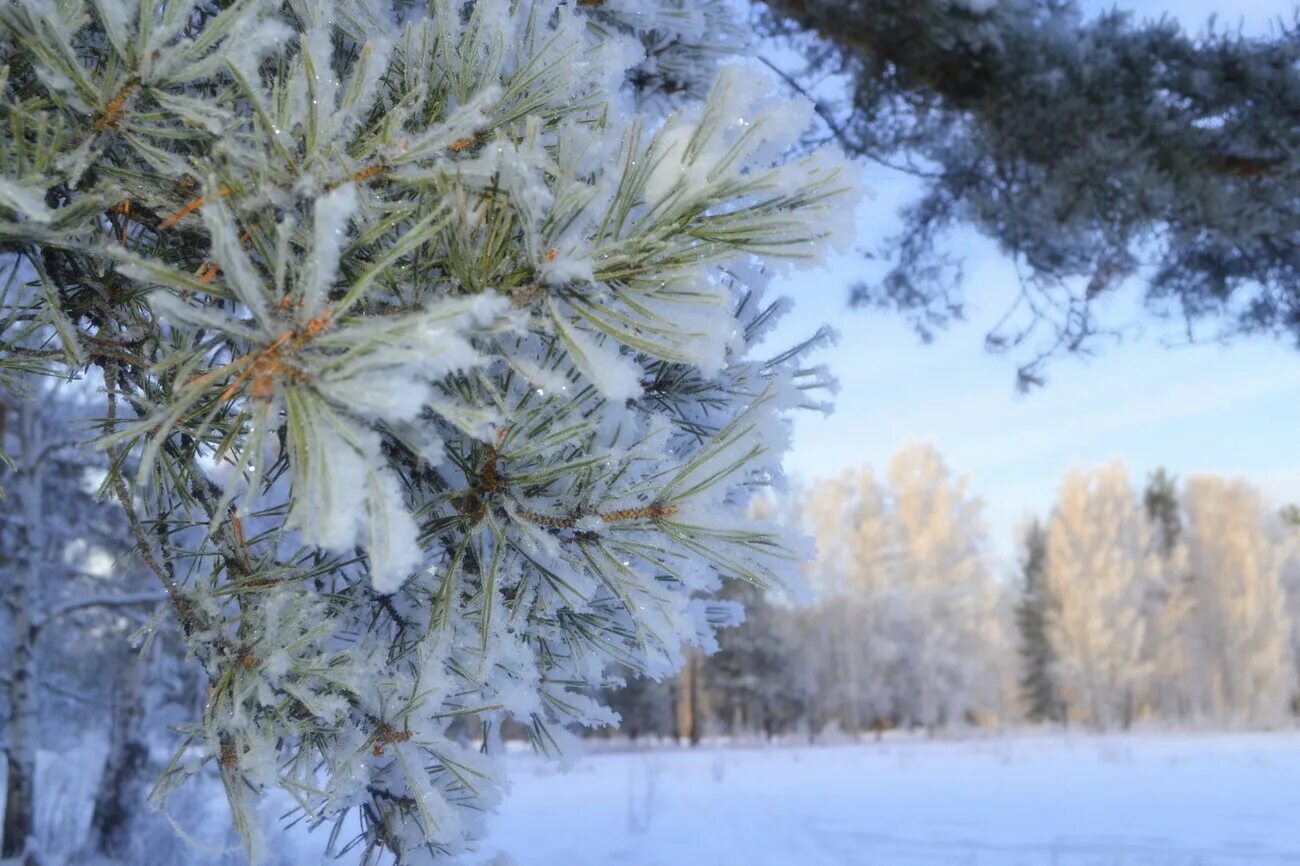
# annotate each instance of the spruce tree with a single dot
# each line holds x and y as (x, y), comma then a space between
(1160, 498)
(1170, 604)
(427, 347)
(1032, 614)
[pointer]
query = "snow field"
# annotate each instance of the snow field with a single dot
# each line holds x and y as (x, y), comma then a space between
(1021, 800)
(1154, 800)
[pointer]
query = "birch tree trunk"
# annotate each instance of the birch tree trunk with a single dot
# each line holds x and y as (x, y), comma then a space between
(120, 794)
(20, 748)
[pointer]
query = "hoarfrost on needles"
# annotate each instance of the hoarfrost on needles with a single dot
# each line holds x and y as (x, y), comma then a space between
(465, 389)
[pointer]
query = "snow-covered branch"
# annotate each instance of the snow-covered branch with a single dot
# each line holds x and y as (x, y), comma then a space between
(430, 355)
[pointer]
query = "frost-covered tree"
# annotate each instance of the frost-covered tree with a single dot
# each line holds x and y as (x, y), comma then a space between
(1244, 667)
(1174, 607)
(956, 653)
(907, 625)
(849, 634)
(430, 380)
(1288, 528)
(1090, 149)
(1099, 568)
(69, 595)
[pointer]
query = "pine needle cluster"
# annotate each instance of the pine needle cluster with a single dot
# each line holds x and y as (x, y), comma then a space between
(427, 352)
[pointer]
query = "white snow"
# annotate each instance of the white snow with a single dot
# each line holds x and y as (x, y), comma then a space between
(333, 215)
(1155, 800)
(1019, 800)
(26, 200)
(613, 374)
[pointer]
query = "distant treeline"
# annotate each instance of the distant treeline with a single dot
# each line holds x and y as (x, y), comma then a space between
(1164, 601)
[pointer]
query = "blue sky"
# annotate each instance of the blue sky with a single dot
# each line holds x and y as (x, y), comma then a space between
(1231, 409)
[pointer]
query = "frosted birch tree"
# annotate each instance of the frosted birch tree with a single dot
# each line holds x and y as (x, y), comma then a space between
(1099, 567)
(1236, 554)
(1175, 609)
(850, 633)
(958, 652)
(1289, 536)
(908, 625)
(431, 387)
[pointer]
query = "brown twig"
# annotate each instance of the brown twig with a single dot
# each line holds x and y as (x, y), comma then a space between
(269, 364)
(112, 115)
(622, 515)
(386, 735)
(143, 544)
(189, 208)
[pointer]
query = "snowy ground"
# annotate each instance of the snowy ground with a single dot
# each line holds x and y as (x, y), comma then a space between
(1211, 800)
(1023, 800)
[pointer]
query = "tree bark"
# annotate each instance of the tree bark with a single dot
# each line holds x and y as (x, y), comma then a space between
(697, 700)
(120, 792)
(690, 712)
(20, 750)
